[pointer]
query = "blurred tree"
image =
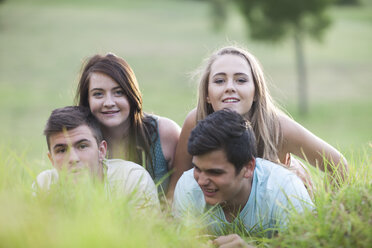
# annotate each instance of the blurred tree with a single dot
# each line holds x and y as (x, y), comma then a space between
(273, 21)
(348, 2)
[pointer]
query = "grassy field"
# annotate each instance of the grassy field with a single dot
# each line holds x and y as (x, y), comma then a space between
(43, 43)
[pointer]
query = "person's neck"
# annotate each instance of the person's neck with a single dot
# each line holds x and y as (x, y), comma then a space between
(233, 208)
(117, 141)
(97, 174)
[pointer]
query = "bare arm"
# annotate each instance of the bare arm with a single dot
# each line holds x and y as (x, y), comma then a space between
(304, 144)
(169, 133)
(183, 159)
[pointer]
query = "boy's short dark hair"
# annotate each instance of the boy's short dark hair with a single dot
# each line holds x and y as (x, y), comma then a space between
(71, 117)
(226, 130)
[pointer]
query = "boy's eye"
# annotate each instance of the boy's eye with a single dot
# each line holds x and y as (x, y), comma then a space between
(61, 150)
(82, 146)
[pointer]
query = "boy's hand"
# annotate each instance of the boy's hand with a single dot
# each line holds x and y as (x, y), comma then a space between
(230, 241)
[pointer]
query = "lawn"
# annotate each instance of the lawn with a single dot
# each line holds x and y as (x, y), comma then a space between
(43, 44)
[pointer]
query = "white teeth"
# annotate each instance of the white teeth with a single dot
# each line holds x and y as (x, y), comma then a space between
(210, 190)
(110, 112)
(230, 100)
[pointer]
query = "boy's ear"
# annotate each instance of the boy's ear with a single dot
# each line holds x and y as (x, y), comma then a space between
(249, 168)
(51, 158)
(102, 150)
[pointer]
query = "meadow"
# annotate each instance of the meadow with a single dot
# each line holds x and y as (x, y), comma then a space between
(42, 46)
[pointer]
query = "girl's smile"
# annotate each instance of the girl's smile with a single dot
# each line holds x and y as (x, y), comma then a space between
(231, 84)
(107, 101)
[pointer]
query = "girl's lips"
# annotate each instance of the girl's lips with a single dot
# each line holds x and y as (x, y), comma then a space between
(230, 100)
(110, 112)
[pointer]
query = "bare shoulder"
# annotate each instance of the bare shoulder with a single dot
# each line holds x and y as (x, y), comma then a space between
(190, 120)
(182, 159)
(188, 125)
(169, 133)
(168, 127)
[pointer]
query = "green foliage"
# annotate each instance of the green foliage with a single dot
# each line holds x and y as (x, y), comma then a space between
(77, 214)
(348, 2)
(271, 20)
(218, 13)
(342, 217)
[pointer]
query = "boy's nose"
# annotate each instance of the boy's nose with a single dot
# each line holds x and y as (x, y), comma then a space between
(73, 157)
(202, 179)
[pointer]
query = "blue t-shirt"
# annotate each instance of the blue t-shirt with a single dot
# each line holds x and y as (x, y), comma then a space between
(275, 191)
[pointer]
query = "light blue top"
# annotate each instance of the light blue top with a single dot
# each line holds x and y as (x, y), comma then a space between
(275, 191)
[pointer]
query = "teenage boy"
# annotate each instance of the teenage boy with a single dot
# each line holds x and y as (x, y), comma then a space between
(229, 186)
(75, 145)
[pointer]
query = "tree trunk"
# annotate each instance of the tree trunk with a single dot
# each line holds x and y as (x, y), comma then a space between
(301, 74)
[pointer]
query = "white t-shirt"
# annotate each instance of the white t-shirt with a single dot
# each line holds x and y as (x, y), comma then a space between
(123, 178)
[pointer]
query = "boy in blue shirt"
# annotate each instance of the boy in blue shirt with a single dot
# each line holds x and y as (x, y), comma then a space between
(231, 184)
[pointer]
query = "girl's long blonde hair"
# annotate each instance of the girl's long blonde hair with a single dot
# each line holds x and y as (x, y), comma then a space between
(263, 114)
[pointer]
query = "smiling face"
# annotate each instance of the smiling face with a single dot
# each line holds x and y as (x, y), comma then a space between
(76, 150)
(219, 181)
(107, 101)
(230, 84)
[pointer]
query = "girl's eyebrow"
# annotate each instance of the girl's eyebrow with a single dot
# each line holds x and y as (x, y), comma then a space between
(240, 73)
(115, 88)
(96, 89)
(235, 74)
(219, 74)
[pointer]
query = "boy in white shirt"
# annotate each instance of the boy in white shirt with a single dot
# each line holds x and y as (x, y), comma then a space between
(76, 145)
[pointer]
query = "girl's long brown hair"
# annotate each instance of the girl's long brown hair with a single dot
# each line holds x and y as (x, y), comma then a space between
(142, 126)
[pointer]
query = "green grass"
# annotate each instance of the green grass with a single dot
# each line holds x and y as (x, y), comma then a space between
(80, 214)
(342, 218)
(42, 46)
(77, 215)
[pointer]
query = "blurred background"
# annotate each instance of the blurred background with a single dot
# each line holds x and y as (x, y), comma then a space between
(44, 42)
